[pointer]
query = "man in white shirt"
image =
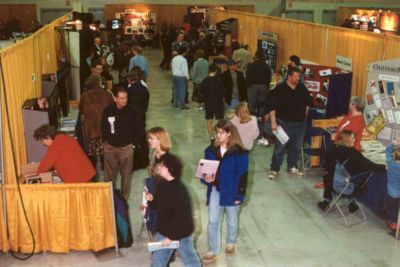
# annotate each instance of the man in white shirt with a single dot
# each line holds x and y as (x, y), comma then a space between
(180, 77)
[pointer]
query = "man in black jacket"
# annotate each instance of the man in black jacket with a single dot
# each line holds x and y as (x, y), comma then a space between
(138, 94)
(234, 84)
(258, 78)
(122, 129)
(174, 213)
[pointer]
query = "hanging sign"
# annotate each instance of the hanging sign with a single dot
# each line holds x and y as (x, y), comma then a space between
(344, 63)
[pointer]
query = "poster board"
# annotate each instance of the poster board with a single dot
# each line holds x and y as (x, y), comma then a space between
(383, 96)
(316, 79)
(268, 43)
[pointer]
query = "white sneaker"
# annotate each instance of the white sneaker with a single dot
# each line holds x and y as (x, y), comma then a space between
(295, 171)
(262, 142)
(273, 175)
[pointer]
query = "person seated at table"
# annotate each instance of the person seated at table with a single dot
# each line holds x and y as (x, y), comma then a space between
(65, 155)
(393, 183)
(353, 121)
(356, 163)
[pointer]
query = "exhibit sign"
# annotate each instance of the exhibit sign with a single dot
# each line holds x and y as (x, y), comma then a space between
(268, 43)
(383, 97)
(345, 63)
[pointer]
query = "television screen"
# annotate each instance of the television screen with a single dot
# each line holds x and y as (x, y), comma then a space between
(115, 24)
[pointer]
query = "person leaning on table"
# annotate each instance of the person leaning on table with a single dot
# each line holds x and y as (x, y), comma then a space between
(65, 155)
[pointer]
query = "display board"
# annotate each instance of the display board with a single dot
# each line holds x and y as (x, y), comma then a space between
(383, 97)
(316, 79)
(268, 43)
(227, 33)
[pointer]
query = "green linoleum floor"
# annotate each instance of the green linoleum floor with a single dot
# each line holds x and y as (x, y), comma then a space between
(280, 224)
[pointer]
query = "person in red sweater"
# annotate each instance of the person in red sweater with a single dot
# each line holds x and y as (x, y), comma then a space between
(65, 155)
(353, 121)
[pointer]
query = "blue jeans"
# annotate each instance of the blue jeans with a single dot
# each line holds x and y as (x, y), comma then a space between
(180, 87)
(234, 103)
(214, 222)
(186, 251)
(295, 131)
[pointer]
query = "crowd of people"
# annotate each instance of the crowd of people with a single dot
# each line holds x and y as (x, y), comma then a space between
(111, 132)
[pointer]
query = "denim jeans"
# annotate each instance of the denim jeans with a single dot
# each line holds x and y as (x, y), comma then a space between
(214, 222)
(256, 95)
(295, 131)
(180, 88)
(186, 251)
(234, 103)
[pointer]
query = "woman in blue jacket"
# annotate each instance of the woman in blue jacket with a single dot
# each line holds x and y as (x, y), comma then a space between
(227, 189)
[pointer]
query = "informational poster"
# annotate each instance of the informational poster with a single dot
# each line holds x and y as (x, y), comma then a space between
(383, 97)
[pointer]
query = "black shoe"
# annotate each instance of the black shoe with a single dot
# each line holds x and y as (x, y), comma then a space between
(353, 207)
(323, 204)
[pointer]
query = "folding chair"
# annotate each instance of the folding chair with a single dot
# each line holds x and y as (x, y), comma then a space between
(345, 187)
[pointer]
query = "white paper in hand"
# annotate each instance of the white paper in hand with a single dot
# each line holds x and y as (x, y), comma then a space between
(207, 168)
(281, 135)
(154, 246)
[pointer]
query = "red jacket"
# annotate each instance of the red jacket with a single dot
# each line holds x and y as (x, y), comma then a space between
(355, 124)
(68, 159)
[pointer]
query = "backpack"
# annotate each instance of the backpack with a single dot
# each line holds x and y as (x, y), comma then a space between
(123, 223)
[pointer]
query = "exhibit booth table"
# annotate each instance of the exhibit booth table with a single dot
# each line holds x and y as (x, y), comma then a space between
(63, 217)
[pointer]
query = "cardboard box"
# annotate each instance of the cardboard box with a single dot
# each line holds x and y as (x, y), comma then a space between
(29, 176)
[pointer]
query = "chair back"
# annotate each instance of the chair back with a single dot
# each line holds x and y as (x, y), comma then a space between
(341, 179)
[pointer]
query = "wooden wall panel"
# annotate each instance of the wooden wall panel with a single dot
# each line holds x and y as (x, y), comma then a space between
(308, 41)
(25, 14)
(392, 47)
(165, 13)
(317, 43)
(361, 47)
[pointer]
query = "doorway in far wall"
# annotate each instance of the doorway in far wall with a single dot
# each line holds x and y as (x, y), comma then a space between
(329, 17)
(49, 14)
(305, 15)
(98, 14)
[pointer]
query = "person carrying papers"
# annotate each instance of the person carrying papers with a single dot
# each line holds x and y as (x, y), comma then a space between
(174, 214)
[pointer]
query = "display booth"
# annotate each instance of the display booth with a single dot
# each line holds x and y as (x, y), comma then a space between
(227, 33)
(44, 217)
(383, 99)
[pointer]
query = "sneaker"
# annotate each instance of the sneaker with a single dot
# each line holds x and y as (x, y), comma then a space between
(323, 205)
(210, 257)
(230, 250)
(273, 175)
(295, 171)
(262, 142)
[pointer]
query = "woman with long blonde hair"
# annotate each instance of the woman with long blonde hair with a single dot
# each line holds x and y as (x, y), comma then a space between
(246, 125)
(226, 190)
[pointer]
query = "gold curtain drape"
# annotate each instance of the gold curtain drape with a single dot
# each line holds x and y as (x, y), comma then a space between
(21, 83)
(22, 65)
(63, 217)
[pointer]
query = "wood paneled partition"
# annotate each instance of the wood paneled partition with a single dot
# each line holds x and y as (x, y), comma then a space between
(25, 14)
(165, 13)
(315, 42)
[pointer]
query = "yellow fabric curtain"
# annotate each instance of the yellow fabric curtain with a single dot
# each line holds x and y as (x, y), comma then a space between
(45, 50)
(20, 78)
(63, 217)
